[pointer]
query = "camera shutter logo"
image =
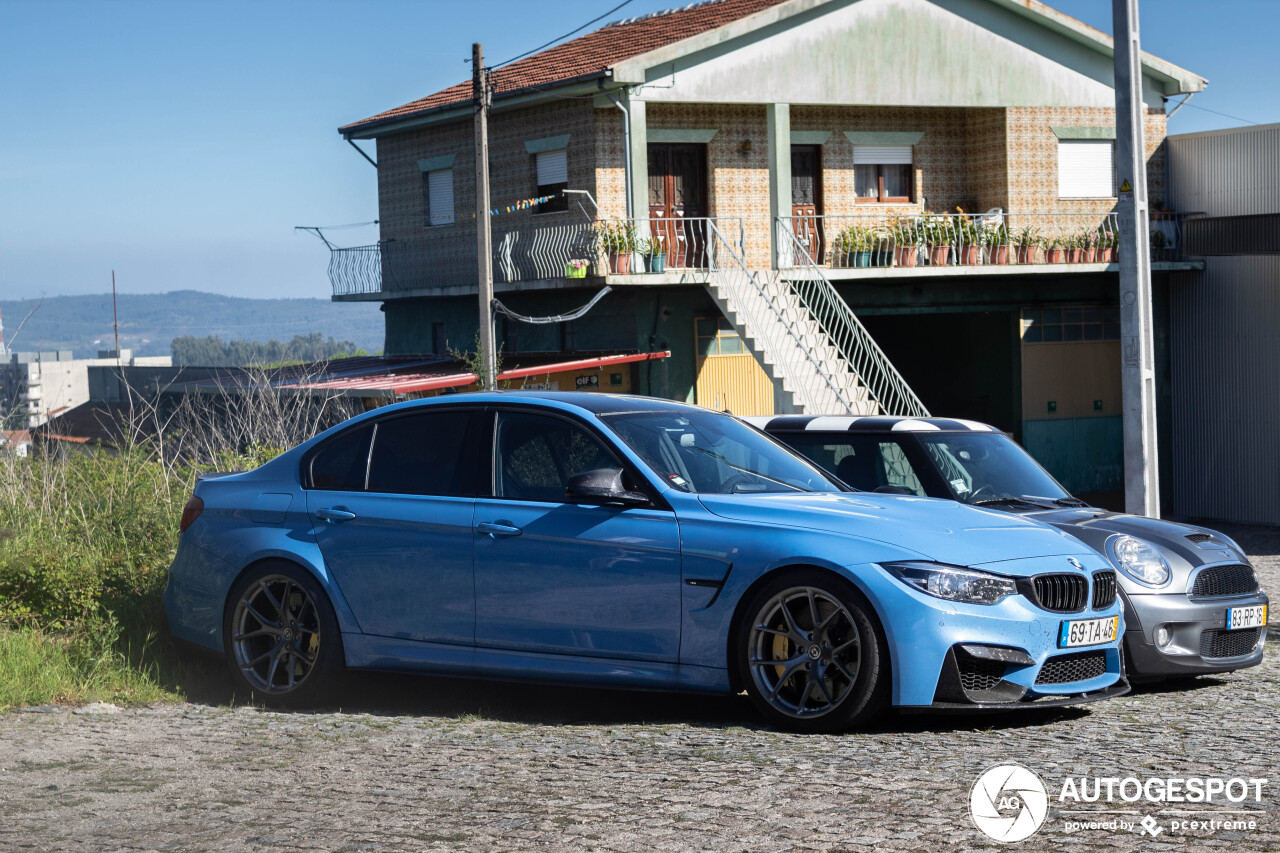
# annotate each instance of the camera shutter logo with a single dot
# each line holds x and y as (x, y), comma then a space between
(1008, 803)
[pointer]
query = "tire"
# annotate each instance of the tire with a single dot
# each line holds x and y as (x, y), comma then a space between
(829, 680)
(281, 637)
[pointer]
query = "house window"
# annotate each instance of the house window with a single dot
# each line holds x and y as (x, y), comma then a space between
(552, 168)
(882, 173)
(717, 337)
(1071, 324)
(1086, 168)
(437, 197)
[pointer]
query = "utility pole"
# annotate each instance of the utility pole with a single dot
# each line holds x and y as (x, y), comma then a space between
(484, 230)
(115, 316)
(1137, 347)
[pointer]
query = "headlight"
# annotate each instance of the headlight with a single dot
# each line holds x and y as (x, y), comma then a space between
(1139, 560)
(952, 583)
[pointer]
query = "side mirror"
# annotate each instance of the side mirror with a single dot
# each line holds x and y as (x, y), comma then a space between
(894, 490)
(603, 485)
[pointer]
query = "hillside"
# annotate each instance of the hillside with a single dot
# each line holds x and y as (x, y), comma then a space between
(149, 321)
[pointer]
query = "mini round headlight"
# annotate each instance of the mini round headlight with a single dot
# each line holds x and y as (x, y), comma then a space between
(1139, 560)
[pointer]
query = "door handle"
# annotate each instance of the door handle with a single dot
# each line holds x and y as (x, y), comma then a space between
(332, 514)
(496, 529)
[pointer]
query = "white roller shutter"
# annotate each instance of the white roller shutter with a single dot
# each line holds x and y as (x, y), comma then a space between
(1085, 169)
(868, 155)
(553, 168)
(440, 196)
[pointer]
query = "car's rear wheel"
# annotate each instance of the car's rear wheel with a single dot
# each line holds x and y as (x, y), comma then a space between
(811, 654)
(281, 636)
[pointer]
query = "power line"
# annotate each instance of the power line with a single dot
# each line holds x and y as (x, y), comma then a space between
(563, 37)
(1224, 115)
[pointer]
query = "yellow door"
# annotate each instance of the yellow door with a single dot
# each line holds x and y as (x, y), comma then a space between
(729, 377)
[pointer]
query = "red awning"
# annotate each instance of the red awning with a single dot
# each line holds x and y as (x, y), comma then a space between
(410, 383)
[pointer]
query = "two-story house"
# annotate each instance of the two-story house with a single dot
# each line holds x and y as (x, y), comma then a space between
(816, 205)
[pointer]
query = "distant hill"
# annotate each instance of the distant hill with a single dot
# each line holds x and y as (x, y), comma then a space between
(149, 321)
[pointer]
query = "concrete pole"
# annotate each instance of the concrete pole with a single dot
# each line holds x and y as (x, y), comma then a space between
(1137, 360)
(484, 230)
(778, 120)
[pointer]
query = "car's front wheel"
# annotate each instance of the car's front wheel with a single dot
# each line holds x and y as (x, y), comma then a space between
(281, 636)
(811, 655)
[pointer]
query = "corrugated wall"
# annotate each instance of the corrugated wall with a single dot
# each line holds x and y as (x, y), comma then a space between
(1225, 336)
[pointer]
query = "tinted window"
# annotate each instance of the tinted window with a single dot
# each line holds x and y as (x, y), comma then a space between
(865, 462)
(423, 454)
(340, 464)
(711, 453)
(538, 454)
(988, 466)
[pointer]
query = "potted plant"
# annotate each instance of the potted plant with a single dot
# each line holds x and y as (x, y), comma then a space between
(858, 238)
(1158, 241)
(905, 241)
(1106, 247)
(968, 241)
(1089, 246)
(1027, 244)
(881, 254)
(617, 240)
(937, 233)
(996, 241)
(1075, 250)
(840, 250)
(1055, 251)
(576, 268)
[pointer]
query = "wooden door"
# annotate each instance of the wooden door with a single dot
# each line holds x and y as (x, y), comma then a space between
(806, 199)
(678, 201)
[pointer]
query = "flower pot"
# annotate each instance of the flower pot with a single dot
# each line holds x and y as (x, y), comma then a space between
(656, 263)
(1107, 256)
(838, 259)
(998, 254)
(881, 258)
(861, 260)
(571, 271)
(1054, 256)
(1026, 254)
(1074, 256)
(904, 256)
(939, 255)
(970, 255)
(620, 263)
(1090, 255)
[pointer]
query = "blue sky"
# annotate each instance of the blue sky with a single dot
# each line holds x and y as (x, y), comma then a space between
(180, 142)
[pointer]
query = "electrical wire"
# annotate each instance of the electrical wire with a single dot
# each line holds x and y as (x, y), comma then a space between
(563, 37)
(1224, 115)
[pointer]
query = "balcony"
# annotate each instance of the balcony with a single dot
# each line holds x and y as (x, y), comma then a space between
(876, 245)
(655, 251)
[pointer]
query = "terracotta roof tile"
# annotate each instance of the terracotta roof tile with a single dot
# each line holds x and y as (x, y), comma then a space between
(587, 55)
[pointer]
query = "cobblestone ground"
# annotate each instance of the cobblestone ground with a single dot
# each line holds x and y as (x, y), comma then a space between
(427, 764)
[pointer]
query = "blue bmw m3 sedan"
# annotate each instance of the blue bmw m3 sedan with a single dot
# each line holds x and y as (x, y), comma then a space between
(630, 542)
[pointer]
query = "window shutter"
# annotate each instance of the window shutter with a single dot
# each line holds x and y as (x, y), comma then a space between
(1085, 169)
(553, 168)
(867, 155)
(440, 196)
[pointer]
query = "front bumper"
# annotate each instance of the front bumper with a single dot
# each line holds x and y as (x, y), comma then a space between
(930, 668)
(1197, 635)
(1120, 688)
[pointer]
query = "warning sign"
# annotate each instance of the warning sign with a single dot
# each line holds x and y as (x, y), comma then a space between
(1125, 186)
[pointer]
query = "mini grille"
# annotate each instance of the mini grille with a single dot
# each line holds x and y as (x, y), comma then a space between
(1061, 593)
(1065, 669)
(1104, 590)
(1225, 580)
(1199, 537)
(977, 674)
(1228, 644)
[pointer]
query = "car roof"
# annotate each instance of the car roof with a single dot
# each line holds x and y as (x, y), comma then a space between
(870, 423)
(595, 402)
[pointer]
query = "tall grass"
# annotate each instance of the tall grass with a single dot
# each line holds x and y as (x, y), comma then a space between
(86, 538)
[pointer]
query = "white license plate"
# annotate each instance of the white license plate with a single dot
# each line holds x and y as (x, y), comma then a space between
(1087, 632)
(1254, 616)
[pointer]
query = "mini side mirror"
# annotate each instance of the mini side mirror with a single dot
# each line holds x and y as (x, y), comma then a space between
(603, 485)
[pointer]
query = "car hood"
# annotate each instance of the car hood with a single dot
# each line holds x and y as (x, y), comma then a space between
(941, 530)
(1095, 526)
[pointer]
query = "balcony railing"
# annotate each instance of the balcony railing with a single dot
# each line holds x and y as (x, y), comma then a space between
(539, 251)
(997, 238)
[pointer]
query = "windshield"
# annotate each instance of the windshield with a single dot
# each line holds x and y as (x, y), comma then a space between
(710, 453)
(983, 467)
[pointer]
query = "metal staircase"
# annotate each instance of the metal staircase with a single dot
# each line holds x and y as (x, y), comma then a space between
(805, 335)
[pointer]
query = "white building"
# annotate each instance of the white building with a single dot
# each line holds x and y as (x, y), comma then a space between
(36, 385)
